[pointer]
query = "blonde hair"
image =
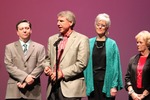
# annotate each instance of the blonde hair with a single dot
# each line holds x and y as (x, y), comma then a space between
(70, 16)
(145, 35)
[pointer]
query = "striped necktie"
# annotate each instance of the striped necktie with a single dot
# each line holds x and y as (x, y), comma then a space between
(25, 48)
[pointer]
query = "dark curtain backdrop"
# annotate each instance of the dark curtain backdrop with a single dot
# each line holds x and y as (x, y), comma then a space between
(128, 18)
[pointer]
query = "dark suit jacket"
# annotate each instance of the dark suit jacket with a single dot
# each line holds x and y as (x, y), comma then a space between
(130, 77)
(72, 63)
(19, 66)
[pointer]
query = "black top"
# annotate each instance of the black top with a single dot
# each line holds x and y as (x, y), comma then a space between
(99, 60)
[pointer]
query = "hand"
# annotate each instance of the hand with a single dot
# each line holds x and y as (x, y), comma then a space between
(60, 75)
(48, 71)
(29, 79)
(113, 92)
(135, 96)
(21, 85)
(141, 96)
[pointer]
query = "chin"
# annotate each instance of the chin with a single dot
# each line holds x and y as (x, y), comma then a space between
(61, 31)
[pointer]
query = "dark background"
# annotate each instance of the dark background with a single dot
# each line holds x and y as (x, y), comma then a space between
(128, 17)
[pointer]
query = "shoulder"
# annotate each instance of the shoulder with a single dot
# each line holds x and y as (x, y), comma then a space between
(111, 45)
(134, 56)
(12, 44)
(92, 39)
(37, 44)
(54, 36)
(109, 40)
(134, 59)
(80, 35)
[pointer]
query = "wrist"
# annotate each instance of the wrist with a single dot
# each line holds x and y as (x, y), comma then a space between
(61, 73)
(143, 95)
(26, 82)
(130, 92)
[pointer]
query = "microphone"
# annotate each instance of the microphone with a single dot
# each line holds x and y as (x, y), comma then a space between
(57, 42)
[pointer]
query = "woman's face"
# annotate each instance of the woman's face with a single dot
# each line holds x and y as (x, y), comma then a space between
(101, 27)
(141, 44)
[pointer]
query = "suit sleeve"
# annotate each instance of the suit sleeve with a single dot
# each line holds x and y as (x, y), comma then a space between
(12, 69)
(38, 70)
(47, 60)
(128, 75)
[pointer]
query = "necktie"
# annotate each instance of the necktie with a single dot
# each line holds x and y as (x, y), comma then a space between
(25, 48)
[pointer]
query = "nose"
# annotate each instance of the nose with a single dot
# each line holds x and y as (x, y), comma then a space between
(100, 26)
(58, 23)
(24, 30)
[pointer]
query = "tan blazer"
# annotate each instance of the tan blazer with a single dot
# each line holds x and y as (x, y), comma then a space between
(72, 63)
(19, 66)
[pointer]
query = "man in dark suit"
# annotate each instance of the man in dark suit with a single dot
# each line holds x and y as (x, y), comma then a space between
(23, 60)
(73, 53)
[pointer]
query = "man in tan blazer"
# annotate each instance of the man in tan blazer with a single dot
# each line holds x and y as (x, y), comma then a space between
(23, 64)
(72, 55)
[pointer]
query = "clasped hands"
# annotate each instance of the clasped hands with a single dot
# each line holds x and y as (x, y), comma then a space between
(52, 74)
(136, 96)
(28, 81)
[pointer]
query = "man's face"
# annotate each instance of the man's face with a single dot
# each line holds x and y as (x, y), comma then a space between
(63, 24)
(24, 31)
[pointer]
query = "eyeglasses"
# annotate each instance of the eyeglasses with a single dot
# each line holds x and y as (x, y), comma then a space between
(101, 25)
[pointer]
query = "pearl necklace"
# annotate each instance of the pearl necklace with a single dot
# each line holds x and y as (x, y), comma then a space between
(99, 46)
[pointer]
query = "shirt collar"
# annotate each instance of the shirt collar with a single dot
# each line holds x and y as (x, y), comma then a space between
(66, 35)
(22, 43)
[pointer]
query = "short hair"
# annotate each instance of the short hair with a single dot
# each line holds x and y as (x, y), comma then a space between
(104, 17)
(22, 21)
(145, 35)
(69, 16)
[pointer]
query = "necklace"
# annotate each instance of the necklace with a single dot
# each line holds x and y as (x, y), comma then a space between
(97, 46)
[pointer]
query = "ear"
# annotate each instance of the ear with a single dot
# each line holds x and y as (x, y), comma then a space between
(17, 33)
(107, 28)
(71, 23)
(31, 31)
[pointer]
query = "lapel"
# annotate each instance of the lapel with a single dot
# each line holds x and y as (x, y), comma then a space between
(30, 50)
(135, 63)
(54, 47)
(70, 41)
(147, 64)
(19, 49)
(136, 60)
